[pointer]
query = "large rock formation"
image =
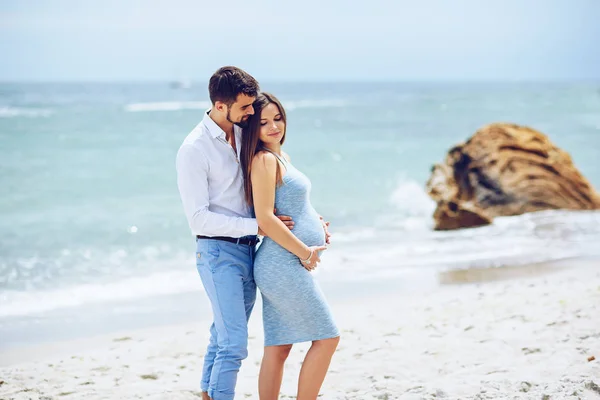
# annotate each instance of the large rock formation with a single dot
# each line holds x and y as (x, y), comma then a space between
(505, 169)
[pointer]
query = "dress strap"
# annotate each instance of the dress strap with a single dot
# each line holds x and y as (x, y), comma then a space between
(282, 159)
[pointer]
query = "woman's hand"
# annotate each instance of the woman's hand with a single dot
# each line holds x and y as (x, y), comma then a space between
(311, 262)
(326, 229)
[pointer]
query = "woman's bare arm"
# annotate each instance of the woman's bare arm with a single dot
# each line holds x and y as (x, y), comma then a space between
(263, 176)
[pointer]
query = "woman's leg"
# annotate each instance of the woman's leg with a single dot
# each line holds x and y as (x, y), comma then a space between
(271, 371)
(314, 368)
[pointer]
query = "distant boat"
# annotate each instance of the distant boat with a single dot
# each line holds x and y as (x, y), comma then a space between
(181, 84)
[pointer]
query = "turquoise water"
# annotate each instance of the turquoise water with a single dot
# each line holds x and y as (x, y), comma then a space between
(90, 213)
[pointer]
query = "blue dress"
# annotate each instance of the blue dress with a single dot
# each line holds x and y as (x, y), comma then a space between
(294, 308)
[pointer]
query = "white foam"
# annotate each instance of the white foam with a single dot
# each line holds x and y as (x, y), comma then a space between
(20, 303)
(354, 235)
(13, 112)
(203, 105)
(291, 105)
(517, 240)
(167, 106)
(380, 251)
(410, 197)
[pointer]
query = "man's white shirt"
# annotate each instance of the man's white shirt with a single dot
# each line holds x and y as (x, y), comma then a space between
(211, 185)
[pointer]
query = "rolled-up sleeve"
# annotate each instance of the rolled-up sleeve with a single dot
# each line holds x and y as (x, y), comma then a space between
(192, 180)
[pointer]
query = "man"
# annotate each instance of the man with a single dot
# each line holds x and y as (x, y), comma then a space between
(211, 188)
(210, 184)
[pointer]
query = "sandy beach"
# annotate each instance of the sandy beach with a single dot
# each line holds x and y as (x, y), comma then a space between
(509, 333)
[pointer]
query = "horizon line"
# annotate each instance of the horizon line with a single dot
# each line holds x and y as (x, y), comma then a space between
(314, 80)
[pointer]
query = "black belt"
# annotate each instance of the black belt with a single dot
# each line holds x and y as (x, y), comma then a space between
(246, 240)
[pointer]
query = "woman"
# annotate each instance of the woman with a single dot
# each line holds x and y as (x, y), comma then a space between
(294, 309)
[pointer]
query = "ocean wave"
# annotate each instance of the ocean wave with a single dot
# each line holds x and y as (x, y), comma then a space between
(21, 303)
(325, 103)
(390, 247)
(403, 238)
(410, 198)
(411, 209)
(13, 112)
(203, 105)
(167, 106)
(355, 235)
(534, 237)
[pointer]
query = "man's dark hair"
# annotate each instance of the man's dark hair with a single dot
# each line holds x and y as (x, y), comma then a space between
(228, 82)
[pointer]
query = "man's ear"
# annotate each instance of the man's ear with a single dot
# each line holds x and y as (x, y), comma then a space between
(219, 105)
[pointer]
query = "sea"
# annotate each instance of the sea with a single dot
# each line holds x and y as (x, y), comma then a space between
(92, 231)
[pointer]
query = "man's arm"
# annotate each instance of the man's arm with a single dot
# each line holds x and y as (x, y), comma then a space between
(192, 181)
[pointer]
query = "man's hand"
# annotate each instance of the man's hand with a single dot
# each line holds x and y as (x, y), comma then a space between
(287, 221)
(326, 229)
(284, 218)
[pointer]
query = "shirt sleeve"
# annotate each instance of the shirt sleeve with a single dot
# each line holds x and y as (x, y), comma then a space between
(192, 181)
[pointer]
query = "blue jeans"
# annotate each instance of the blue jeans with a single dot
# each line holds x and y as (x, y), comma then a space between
(226, 270)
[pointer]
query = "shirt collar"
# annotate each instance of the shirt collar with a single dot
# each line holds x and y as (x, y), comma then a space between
(215, 130)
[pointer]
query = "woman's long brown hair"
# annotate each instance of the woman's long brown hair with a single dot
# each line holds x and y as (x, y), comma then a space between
(251, 143)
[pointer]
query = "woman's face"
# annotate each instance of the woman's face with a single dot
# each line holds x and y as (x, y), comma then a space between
(272, 127)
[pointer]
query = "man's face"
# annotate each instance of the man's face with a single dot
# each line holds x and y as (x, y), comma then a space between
(240, 111)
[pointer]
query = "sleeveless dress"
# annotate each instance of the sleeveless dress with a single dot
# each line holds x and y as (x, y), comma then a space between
(294, 307)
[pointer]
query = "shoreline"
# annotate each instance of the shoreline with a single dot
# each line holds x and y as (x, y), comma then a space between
(154, 312)
(179, 309)
(523, 332)
(75, 324)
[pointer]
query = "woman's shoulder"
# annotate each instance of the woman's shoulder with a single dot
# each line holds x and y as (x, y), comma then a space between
(263, 155)
(264, 159)
(268, 157)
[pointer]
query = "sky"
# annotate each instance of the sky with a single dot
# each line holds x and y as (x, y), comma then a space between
(310, 40)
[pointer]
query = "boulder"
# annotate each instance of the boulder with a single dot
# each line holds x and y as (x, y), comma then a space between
(505, 169)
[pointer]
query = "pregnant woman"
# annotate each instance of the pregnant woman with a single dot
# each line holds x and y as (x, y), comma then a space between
(294, 308)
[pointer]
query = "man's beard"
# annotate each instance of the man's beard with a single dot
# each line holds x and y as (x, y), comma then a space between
(242, 124)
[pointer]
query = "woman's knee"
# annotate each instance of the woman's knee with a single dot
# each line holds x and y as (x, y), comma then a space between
(329, 344)
(280, 353)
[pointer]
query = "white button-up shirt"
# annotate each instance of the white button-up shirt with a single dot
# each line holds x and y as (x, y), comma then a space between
(210, 181)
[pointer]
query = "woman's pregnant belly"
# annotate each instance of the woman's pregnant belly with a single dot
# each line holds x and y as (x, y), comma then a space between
(307, 227)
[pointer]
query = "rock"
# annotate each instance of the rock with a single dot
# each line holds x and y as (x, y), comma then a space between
(525, 386)
(591, 385)
(502, 170)
(527, 350)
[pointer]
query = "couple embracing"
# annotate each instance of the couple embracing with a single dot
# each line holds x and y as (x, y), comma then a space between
(237, 184)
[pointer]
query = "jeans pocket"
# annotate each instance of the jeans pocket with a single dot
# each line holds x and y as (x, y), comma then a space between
(213, 248)
(207, 256)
